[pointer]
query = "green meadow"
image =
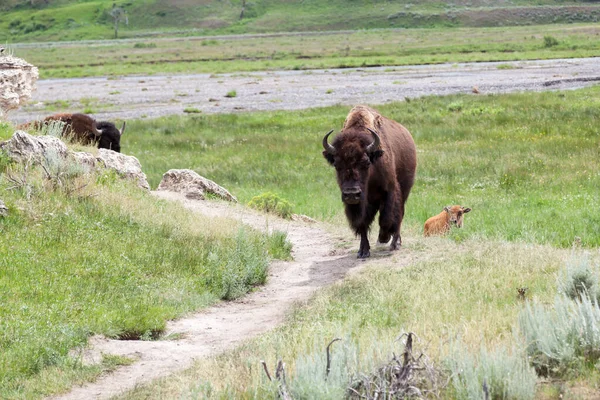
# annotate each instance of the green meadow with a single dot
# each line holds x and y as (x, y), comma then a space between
(526, 163)
(70, 20)
(528, 166)
(94, 255)
(361, 48)
(88, 254)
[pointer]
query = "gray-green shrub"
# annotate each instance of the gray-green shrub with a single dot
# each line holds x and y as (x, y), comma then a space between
(506, 374)
(578, 279)
(560, 337)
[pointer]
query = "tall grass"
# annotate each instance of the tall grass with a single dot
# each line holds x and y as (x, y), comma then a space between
(100, 256)
(444, 290)
(499, 374)
(525, 163)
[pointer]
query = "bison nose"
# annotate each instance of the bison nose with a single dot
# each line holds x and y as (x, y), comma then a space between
(351, 195)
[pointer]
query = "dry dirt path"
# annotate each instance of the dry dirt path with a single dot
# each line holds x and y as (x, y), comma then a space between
(316, 264)
(160, 95)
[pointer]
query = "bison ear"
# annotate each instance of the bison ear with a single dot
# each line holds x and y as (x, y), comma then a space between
(447, 209)
(328, 157)
(466, 210)
(374, 156)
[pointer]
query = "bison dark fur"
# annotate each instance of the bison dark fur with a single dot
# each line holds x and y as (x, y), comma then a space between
(111, 136)
(375, 160)
(85, 130)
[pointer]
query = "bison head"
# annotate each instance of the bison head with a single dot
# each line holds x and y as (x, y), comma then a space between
(352, 154)
(110, 136)
(456, 214)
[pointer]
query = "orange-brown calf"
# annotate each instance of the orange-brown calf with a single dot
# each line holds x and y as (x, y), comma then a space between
(440, 224)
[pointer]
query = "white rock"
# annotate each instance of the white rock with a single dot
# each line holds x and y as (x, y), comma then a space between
(23, 147)
(192, 185)
(126, 166)
(17, 81)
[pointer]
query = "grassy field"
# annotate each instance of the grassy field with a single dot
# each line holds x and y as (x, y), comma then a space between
(90, 254)
(475, 281)
(526, 164)
(332, 50)
(77, 20)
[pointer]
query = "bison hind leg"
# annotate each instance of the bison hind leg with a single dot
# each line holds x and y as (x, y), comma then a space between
(384, 236)
(396, 242)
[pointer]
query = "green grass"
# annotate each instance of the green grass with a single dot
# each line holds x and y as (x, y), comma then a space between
(110, 259)
(525, 163)
(336, 50)
(433, 287)
(71, 20)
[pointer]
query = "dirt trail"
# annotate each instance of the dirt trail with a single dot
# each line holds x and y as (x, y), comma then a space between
(316, 264)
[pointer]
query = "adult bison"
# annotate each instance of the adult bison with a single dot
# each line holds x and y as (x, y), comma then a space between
(375, 160)
(84, 129)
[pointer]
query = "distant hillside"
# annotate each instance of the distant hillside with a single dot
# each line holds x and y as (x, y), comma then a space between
(47, 20)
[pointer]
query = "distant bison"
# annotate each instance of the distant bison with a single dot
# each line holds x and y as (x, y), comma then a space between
(441, 223)
(84, 129)
(375, 161)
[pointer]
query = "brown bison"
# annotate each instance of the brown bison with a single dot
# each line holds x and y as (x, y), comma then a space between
(84, 129)
(440, 224)
(375, 160)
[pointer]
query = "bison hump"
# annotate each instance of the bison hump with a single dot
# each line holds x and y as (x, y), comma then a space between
(363, 117)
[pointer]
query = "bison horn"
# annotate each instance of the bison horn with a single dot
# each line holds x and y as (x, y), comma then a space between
(97, 132)
(328, 148)
(122, 129)
(376, 142)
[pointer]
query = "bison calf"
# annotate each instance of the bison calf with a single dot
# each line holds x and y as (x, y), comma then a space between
(440, 224)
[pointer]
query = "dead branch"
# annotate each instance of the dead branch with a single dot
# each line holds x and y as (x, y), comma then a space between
(402, 377)
(266, 370)
(280, 375)
(328, 368)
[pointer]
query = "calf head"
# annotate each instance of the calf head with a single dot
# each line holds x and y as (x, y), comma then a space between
(110, 136)
(352, 154)
(456, 214)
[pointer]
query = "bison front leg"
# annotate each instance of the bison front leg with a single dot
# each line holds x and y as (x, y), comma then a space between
(364, 250)
(363, 230)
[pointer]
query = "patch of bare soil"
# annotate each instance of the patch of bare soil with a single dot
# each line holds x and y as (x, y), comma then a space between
(320, 259)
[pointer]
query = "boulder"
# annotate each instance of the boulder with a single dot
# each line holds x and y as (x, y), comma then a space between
(192, 185)
(23, 147)
(3, 209)
(127, 166)
(17, 82)
(85, 159)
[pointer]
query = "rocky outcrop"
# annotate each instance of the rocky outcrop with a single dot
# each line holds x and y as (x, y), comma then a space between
(127, 166)
(3, 209)
(192, 185)
(17, 82)
(23, 147)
